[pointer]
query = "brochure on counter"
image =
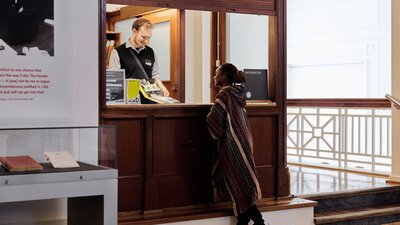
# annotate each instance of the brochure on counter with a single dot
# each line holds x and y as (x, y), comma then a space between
(153, 93)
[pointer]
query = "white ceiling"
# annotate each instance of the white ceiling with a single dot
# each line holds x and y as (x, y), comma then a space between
(113, 7)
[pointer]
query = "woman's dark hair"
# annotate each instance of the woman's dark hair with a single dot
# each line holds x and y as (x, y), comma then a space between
(231, 73)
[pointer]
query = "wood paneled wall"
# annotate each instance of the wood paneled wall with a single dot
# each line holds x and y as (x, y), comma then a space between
(164, 154)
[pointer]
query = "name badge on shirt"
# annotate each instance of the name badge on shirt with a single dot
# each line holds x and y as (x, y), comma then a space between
(147, 62)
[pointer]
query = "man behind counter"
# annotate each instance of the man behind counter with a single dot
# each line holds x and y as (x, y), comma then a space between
(123, 56)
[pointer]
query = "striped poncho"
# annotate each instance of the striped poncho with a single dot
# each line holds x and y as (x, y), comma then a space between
(233, 165)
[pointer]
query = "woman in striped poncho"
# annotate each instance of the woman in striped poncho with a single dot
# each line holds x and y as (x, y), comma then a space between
(233, 169)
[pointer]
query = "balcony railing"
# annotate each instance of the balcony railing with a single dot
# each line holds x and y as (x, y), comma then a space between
(340, 134)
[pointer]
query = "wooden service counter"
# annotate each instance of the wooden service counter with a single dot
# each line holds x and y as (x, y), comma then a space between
(164, 154)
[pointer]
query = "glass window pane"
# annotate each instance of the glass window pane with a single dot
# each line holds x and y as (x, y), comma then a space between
(326, 81)
(338, 49)
(247, 41)
(160, 42)
(125, 28)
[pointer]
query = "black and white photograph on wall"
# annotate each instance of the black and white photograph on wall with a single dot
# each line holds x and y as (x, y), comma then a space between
(27, 27)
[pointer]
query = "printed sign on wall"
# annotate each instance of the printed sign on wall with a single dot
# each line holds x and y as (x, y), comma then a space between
(39, 44)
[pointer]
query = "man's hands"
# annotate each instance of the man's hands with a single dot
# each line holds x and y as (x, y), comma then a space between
(164, 90)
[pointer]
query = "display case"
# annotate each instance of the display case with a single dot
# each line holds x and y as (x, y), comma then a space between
(90, 189)
(91, 145)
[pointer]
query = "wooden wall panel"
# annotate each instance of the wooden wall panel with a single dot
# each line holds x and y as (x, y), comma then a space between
(181, 145)
(264, 129)
(283, 178)
(130, 193)
(181, 161)
(130, 162)
(131, 146)
(185, 190)
(262, 7)
(267, 180)
(165, 154)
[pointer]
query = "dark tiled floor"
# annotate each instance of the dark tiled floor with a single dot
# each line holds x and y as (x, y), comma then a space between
(309, 180)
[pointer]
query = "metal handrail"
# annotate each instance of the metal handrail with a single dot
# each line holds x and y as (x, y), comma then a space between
(340, 102)
(393, 100)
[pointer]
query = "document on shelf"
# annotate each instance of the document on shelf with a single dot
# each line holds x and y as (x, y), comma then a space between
(61, 159)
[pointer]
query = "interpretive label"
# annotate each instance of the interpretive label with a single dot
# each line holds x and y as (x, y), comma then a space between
(22, 84)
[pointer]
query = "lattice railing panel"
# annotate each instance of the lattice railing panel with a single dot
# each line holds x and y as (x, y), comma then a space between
(354, 139)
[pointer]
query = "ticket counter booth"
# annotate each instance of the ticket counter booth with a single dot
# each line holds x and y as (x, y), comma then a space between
(164, 151)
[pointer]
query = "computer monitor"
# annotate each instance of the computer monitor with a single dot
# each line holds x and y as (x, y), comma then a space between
(256, 86)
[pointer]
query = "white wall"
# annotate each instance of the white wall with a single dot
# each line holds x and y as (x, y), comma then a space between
(395, 174)
(72, 99)
(85, 86)
(197, 56)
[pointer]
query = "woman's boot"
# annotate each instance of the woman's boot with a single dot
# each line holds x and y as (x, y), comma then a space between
(256, 216)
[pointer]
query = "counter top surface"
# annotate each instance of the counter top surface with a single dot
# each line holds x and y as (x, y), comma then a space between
(185, 105)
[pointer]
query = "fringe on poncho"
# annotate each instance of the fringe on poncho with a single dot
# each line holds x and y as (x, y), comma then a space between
(233, 168)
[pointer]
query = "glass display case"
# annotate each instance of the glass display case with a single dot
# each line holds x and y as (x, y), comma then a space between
(87, 145)
(87, 193)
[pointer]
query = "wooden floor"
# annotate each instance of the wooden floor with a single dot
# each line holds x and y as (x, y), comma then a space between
(193, 213)
(312, 180)
(305, 181)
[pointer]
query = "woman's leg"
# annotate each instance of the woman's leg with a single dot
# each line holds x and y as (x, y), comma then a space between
(255, 215)
(243, 218)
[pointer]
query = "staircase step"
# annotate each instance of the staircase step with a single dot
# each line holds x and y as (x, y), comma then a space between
(216, 213)
(355, 199)
(375, 215)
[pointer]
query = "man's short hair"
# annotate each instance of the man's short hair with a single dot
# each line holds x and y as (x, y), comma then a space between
(140, 22)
